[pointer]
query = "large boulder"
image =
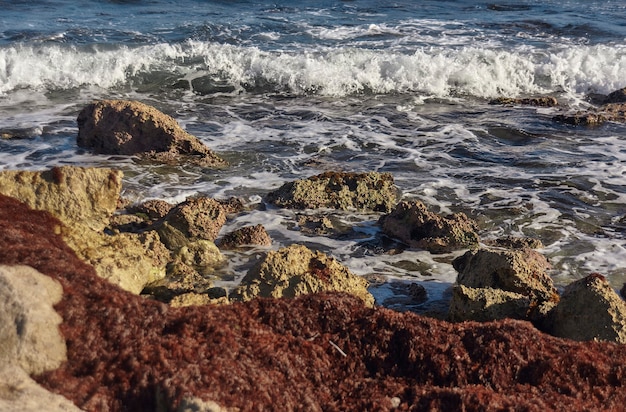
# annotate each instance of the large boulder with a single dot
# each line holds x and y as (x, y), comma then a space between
(589, 310)
(127, 127)
(296, 270)
(371, 191)
(84, 200)
(76, 195)
(503, 283)
(413, 224)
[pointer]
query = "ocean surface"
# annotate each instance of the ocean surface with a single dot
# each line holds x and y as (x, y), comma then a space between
(285, 90)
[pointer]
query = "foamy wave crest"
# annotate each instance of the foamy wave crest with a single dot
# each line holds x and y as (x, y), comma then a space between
(468, 71)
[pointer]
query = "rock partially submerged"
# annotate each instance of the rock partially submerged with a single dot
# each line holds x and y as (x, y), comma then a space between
(371, 191)
(589, 310)
(246, 236)
(316, 352)
(296, 270)
(128, 127)
(413, 224)
(613, 109)
(543, 101)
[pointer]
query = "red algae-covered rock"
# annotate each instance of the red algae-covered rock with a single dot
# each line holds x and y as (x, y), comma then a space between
(129, 127)
(317, 352)
(413, 224)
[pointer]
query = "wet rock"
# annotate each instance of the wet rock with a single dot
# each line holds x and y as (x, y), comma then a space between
(337, 190)
(413, 224)
(512, 278)
(76, 195)
(153, 209)
(194, 219)
(315, 225)
(246, 236)
(197, 299)
(610, 112)
(544, 101)
(127, 127)
(618, 96)
(296, 270)
(29, 326)
(589, 310)
(131, 353)
(623, 291)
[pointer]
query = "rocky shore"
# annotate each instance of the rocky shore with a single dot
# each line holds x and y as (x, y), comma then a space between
(111, 306)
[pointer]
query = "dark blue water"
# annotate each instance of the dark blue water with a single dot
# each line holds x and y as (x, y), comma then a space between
(289, 89)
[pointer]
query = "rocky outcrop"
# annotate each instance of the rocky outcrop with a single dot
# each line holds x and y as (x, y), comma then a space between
(589, 310)
(84, 200)
(496, 283)
(127, 127)
(413, 224)
(544, 101)
(335, 190)
(296, 270)
(315, 352)
(246, 236)
(613, 110)
(76, 195)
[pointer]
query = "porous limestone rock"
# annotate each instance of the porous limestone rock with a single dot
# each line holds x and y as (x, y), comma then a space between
(589, 309)
(76, 195)
(494, 283)
(296, 270)
(485, 304)
(610, 112)
(128, 127)
(413, 224)
(246, 236)
(544, 101)
(29, 326)
(194, 219)
(370, 191)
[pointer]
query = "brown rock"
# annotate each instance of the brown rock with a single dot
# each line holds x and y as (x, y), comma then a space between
(589, 310)
(544, 101)
(153, 209)
(511, 242)
(129, 127)
(486, 304)
(346, 191)
(413, 224)
(610, 112)
(246, 236)
(130, 353)
(618, 96)
(296, 270)
(194, 219)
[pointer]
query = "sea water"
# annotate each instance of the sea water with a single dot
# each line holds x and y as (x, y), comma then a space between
(285, 90)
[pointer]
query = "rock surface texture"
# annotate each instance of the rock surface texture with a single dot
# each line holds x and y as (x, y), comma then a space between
(346, 191)
(413, 224)
(320, 352)
(127, 127)
(296, 270)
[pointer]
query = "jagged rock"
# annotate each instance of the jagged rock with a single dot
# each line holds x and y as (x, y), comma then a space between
(127, 127)
(316, 225)
(544, 101)
(589, 310)
(29, 326)
(486, 304)
(196, 299)
(336, 190)
(246, 236)
(194, 219)
(506, 272)
(128, 353)
(610, 112)
(76, 195)
(84, 200)
(296, 270)
(153, 209)
(413, 224)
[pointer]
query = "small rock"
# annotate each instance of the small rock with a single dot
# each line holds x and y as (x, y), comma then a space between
(589, 310)
(486, 304)
(544, 101)
(512, 242)
(618, 96)
(246, 236)
(413, 224)
(154, 209)
(371, 191)
(296, 270)
(127, 127)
